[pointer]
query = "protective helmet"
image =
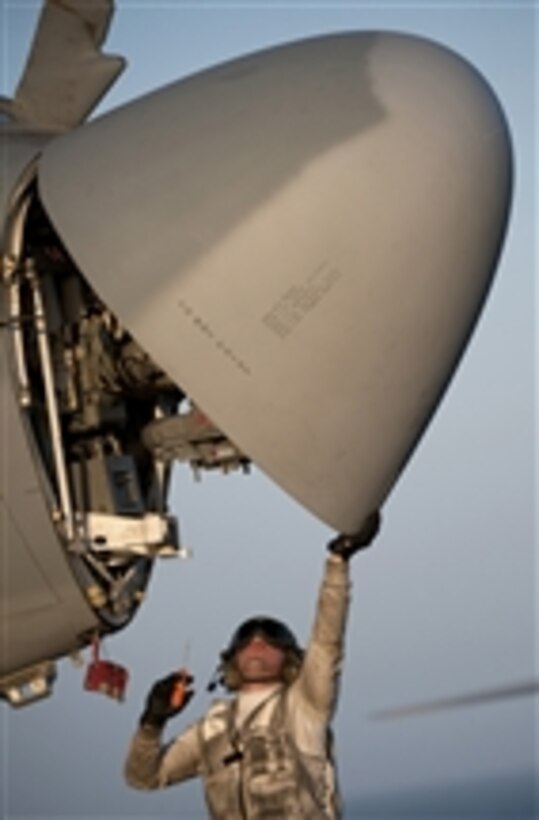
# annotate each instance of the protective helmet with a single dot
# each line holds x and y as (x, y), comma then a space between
(274, 632)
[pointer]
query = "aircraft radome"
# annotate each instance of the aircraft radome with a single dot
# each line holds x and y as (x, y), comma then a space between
(295, 245)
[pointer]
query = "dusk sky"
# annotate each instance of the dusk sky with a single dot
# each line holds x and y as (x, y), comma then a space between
(445, 601)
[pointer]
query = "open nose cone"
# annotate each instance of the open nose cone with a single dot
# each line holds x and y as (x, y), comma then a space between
(302, 239)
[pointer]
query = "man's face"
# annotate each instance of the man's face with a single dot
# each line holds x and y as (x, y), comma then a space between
(259, 662)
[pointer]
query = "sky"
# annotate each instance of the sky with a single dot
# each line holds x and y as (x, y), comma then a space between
(444, 603)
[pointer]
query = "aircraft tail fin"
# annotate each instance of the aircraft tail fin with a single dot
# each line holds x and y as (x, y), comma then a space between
(66, 74)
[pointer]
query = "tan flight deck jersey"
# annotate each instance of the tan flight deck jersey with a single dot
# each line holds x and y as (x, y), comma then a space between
(265, 754)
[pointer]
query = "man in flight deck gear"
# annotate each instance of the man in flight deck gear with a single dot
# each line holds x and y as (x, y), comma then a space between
(266, 752)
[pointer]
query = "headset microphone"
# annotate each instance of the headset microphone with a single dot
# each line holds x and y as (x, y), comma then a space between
(215, 680)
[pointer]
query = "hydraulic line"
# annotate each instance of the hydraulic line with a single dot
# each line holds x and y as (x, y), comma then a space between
(66, 509)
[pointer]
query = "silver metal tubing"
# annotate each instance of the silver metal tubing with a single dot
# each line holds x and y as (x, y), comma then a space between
(51, 402)
(15, 325)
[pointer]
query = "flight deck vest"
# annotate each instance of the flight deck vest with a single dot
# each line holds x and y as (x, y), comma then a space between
(258, 773)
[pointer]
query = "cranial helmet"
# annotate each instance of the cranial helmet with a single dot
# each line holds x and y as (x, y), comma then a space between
(275, 633)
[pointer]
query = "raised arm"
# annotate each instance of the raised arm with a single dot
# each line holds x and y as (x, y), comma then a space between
(317, 685)
(150, 764)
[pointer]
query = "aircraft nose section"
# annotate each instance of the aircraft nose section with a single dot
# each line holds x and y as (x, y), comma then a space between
(302, 239)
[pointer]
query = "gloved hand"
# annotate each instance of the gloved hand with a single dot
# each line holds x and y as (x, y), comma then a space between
(348, 545)
(167, 698)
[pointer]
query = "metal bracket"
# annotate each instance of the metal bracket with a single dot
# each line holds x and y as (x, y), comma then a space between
(29, 685)
(149, 535)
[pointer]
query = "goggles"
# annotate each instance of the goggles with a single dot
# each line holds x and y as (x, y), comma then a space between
(274, 632)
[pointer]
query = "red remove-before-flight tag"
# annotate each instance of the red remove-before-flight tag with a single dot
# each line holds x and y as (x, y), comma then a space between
(105, 677)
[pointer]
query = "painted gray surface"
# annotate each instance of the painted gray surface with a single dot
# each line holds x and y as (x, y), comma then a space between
(302, 240)
(445, 603)
(43, 608)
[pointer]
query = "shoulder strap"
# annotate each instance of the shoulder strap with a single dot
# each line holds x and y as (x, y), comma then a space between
(236, 735)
